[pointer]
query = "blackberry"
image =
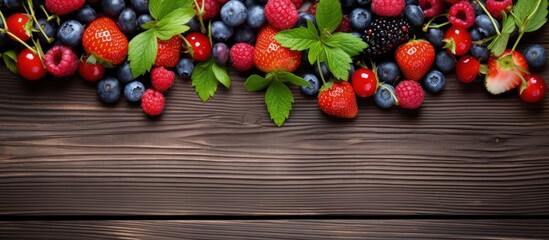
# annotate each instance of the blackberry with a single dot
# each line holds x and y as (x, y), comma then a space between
(385, 34)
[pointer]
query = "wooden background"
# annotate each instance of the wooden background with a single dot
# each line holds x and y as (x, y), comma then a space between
(466, 165)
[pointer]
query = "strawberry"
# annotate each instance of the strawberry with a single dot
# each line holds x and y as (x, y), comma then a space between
(104, 40)
(270, 56)
(168, 52)
(503, 72)
(338, 99)
(415, 58)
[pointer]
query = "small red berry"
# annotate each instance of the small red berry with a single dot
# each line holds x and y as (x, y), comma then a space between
(152, 102)
(210, 11)
(281, 14)
(364, 82)
(29, 65)
(409, 93)
(534, 89)
(431, 8)
(462, 14)
(61, 61)
(458, 40)
(467, 69)
(388, 8)
(162, 79)
(241, 55)
(90, 72)
(200, 44)
(495, 7)
(19, 25)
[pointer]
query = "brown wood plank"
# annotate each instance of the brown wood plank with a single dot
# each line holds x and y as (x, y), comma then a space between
(280, 229)
(464, 152)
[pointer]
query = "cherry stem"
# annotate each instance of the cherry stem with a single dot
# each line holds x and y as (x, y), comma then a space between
(390, 92)
(22, 42)
(29, 2)
(320, 71)
(489, 16)
(428, 24)
(201, 12)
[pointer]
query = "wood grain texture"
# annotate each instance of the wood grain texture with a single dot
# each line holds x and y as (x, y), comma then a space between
(280, 229)
(464, 152)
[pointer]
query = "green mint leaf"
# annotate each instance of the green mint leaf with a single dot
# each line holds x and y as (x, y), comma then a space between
(314, 52)
(142, 52)
(538, 18)
(508, 24)
(338, 62)
(328, 15)
(220, 73)
(292, 78)
(10, 59)
(256, 83)
(161, 8)
(349, 43)
(296, 39)
(499, 44)
(174, 23)
(204, 80)
(279, 101)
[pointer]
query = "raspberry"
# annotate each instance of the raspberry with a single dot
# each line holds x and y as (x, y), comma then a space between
(388, 8)
(64, 7)
(168, 52)
(431, 8)
(345, 25)
(152, 102)
(312, 8)
(495, 7)
(61, 61)
(409, 94)
(462, 14)
(451, 2)
(210, 11)
(281, 14)
(297, 3)
(162, 79)
(241, 55)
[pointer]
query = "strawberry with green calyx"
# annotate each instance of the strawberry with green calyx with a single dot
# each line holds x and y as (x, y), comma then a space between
(270, 56)
(338, 99)
(415, 58)
(104, 41)
(505, 72)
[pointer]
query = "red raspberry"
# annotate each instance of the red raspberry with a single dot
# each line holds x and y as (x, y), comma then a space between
(162, 79)
(168, 52)
(388, 8)
(241, 55)
(281, 14)
(297, 3)
(431, 8)
(61, 61)
(152, 102)
(451, 2)
(462, 14)
(210, 11)
(312, 8)
(64, 7)
(345, 25)
(495, 7)
(409, 94)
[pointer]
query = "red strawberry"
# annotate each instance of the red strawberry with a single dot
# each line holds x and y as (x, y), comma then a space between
(63, 7)
(105, 41)
(415, 58)
(270, 56)
(338, 99)
(168, 52)
(281, 14)
(503, 72)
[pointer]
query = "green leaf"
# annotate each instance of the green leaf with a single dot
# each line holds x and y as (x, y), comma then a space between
(314, 52)
(292, 78)
(220, 73)
(537, 19)
(508, 24)
(10, 59)
(204, 80)
(338, 62)
(279, 101)
(256, 83)
(296, 39)
(161, 8)
(349, 43)
(499, 44)
(328, 15)
(142, 52)
(174, 23)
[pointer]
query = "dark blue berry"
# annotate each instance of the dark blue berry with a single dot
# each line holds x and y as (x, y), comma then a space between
(220, 53)
(112, 8)
(134, 90)
(108, 90)
(348, 4)
(477, 7)
(435, 37)
(445, 61)
(385, 96)
(314, 85)
(127, 22)
(481, 53)
(475, 34)
(360, 19)
(86, 14)
(411, 2)
(484, 25)
(536, 56)
(70, 33)
(303, 17)
(5, 41)
(325, 70)
(234, 13)
(124, 73)
(194, 25)
(145, 18)
(184, 68)
(414, 14)
(140, 6)
(256, 16)
(351, 71)
(11, 4)
(245, 34)
(434, 81)
(363, 2)
(221, 32)
(388, 72)
(48, 28)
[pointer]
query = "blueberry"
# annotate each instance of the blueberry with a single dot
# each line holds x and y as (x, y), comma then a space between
(434, 81)
(411, 2)
(445, 61)
(388, 72)
(477, 7)
(363, 2)
(11, 4)
(140, 6)
(536, 56)
(234, 13)
(134, 90)
(86, 14)
(256, 16)
(314, 85)
(244, 33)
(303, 17)
(5, 41)
(249, 3)
(435, 37)
(414, 14)
(70, 32)
(360, 19)
(127, 22)
(475, 34)
(145, 18)
(112, 8)
(220, 53)
(484, 25)
(194, 25)
(351, 71)
(384, 96)
(108, 90)
(325, 70)
(221, 32)
(184, 68)
(348, 3)
(124, 73)
(48, 28)
(481, 53)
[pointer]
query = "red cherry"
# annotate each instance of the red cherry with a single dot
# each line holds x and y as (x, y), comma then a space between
(17, 24)
(30, 66)
(534, 89)
(458, 40)
(364, 82)
(200, 44)
(467, 69)
(90, 72)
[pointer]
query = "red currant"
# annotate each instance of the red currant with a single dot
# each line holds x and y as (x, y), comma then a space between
(30, 66)
(534, 89)
(90, 72)
(458, 40)
(200, 44)
(364, 82)
(467, 69)
(17, 24)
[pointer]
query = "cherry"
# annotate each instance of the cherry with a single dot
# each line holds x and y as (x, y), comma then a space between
(458, 40)
(200, 44)
(533, 90)
(90, 72)
(18, 25)
(29, 65)
(467, 69)
(364, 82)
